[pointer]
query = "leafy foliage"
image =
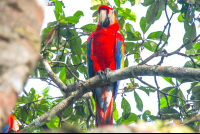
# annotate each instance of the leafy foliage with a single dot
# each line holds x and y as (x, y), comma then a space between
(66, 53)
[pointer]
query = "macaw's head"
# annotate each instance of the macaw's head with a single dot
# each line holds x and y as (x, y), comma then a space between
(106, 16)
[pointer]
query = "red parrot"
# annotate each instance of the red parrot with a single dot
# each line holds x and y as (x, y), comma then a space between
(13, 125)
(105, 52)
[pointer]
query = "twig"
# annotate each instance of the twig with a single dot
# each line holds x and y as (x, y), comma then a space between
(67, 68)
(159, 110)
(159, 90)
(88, 102)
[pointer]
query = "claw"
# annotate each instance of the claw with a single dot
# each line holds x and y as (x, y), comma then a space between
(106, 72)
(100, 73)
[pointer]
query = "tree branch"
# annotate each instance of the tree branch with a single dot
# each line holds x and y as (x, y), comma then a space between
(52, 75)
(88, 85)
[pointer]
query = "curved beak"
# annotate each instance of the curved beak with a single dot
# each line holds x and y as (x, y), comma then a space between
(103, 18)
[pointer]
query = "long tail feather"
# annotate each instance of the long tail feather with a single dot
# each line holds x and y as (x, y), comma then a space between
(104, 105)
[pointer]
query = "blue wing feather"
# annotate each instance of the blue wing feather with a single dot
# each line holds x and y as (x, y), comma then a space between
(119, 58)
(5, 129)
(89, 60)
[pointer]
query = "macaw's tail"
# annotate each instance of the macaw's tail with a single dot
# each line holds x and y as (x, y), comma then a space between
(104, 105)
(12, 126)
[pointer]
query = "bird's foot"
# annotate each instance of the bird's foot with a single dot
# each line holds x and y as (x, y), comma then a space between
(100, 73)
(107, 70)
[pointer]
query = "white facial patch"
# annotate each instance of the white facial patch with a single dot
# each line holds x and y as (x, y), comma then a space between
(111, 16)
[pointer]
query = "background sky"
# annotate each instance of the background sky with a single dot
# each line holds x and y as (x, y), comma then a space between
(175, 41)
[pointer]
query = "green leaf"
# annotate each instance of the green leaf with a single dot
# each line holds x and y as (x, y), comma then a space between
(191, 51)
(137, 2)
(191, 1)
(150, 45)
(173, 6)
(152, 117)
(127, 14)
(163, 102)
(52, 24)
(145, 89)
(86, 110)
(62, 75)
(133, 2)
(169, 113)
(159, 14)
(192, 85)
(196, 45)
(59, 13)
(137, 57)
(144, 25)
(45, 91)
(53, 124)
(95, 16)
(72, 19)
(162, 5)
(181, 95)
(169, 80)
(70, 81)
(131, 119)
(117, 3)
(122, 1)
(43, 107)
(165, 90)
(133, 36)
(190, 35)
(121, 22)
(89, 28)
(129, 28)
(181, 17)
(126, 62)
(76, 52)
(99, 2)
(147, 2)
(130, 87)
(78, 14)
(126, 108)
(22, 113)
(156, 36)
(129, 46)
(174, 100)
(45, 31)
(152, 12)
(93, 104)
(138, 101)
(144, 116)
(189, 64)
(115, 112)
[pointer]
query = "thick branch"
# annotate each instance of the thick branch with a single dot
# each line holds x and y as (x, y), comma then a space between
(128, 72)
(52, 75)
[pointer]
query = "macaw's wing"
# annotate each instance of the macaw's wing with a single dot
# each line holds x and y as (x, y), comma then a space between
(88, 58)
(119, 52)
(5, 129)
(119, 57)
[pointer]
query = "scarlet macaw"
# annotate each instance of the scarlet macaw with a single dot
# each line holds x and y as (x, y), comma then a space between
(105, 52)
(12, 126)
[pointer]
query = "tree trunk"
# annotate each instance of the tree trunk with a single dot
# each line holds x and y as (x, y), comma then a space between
(20, 24)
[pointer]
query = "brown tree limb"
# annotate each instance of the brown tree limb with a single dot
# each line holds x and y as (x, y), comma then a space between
(88, 85)
(52, 75)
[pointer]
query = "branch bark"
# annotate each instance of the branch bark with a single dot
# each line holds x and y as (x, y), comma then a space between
(88, 85)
